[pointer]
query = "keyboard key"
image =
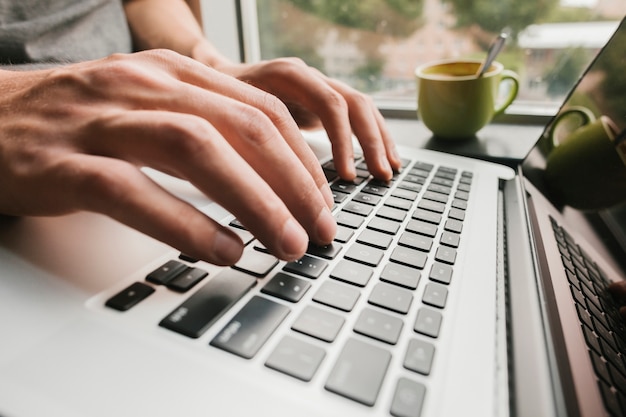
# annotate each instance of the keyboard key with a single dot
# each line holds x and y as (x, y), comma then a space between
(450, 239)
(375, 189)
(428, 322)
(432, 206)
(419, 356)
(452, 225)
(408, 398)
(439, 188)
(391, 213)
(364, 254)
(248, 331)
(440, 273)
(460, 204)
(435, 295)
(415, 241)
(187, 279)
(343, 186)
(318, 323)
(339, 197)
(391, 297)
(350, 220)
(376, 239)
(433, 196)
(286, 287)
(163, 274)
(398, 203)
(456, 214)
(427, 216)
(405, 194)
(245, 236)
(446, 254)
(129, 296)
(412, 186)
(344, 234)
(352, 272)
(255, 262)
(326, 252)
(357, 208)
(401, 275)
(359, 372)
(195, 315)
(365, 198)
(383, 225)
(335, 294)
(379, 325)
(423, 228)
(296, 358)
(307, 266)
(409, 257)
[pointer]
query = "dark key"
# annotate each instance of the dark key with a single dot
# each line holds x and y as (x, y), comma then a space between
(415, 241)
(401, 275)
(352, 272)
(286, 287)
(166, 272)
(427, 216)
(391, 297)
(350, 220)
(343, 186)
(405, 194)
(379, 325)
(344, 234)
(419, 356)
(365, 198)
(409, 257)
(383, 225)
(410, 186)
(338, 295)
(194, 316)
(391, 213)
(408, 399)
(432, 206)
(423, 228)
(296, 358)
(364, 254)
(318, 323)
(397, 202)
(187, 279)
(339, 197)
(307, 266)
(376, 239)
(358, 208)
(375, 189)
(129, 296)
(326, 252)
(255, 262)
(359, 372)
(248, 331)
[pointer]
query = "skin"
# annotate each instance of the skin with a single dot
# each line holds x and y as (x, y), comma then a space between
(74, 138)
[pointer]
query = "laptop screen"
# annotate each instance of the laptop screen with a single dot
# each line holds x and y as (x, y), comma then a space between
(579, 163)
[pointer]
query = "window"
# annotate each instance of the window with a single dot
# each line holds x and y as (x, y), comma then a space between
(375, 45)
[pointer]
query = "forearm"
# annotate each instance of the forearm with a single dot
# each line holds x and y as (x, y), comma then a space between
(170, 24)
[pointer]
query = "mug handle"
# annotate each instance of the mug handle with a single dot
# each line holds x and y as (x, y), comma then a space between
(508, 75)
(586, 115)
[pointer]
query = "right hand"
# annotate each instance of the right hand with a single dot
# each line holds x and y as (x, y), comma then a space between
(75, 137)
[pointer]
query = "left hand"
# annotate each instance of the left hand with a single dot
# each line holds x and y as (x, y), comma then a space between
(316, 100)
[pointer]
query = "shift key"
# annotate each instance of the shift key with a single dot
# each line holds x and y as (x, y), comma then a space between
(194, 316)
(248, 331)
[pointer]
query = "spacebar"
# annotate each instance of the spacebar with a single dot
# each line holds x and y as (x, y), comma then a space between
(193, 317)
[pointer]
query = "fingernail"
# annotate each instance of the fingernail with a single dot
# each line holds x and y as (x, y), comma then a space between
(227, 249)
(325, 227)
(294, 240)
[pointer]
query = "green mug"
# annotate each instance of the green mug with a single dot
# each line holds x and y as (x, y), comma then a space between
(586, 168)
(454, 103)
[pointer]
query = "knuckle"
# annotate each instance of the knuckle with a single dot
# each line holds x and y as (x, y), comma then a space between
(258, 127)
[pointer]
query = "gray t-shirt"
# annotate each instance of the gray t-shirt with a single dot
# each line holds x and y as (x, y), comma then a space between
(61, 31)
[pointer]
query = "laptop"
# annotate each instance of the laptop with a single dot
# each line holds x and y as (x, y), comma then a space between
(462, 287)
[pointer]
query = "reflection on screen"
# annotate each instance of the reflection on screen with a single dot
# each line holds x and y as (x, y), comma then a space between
(580, 161)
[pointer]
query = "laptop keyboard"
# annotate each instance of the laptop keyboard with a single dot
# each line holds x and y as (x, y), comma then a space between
(396, 245)
(600, 321)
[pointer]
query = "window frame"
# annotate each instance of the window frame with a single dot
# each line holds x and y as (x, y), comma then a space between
(232, 26)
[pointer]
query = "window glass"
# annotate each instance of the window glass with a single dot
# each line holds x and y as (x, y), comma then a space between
(375, 45)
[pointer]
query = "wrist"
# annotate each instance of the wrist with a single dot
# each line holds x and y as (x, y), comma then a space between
(203, 51)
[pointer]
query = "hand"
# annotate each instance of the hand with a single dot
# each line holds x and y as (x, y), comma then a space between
(315, 99)
(73, 138)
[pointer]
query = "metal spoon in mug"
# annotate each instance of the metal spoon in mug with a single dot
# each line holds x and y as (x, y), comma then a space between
(494, 50)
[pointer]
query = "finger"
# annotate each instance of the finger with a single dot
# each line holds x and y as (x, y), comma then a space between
(196, 74)
(121, 191)
(193, 149)
(618, 290)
